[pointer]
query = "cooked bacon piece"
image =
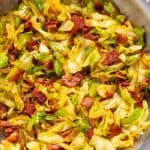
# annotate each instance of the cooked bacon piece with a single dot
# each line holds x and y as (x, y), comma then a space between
(73, 80)
(66, 133)
(3, 108)
(86, 29)
(4, 124)
(29, 109)
(27, 26)
(78, 23)
(89, 133)
(87, 101)
(45, 82)
(11, 129)
(139, 97)
(91, 36)
(31, 45)
(12, 53)
(7, 127)
(115, 130)
(29, 82)
(17, 76)
(39, 96)
(13, 138)
(147, 80)
(52, 25)
(52, 105)
(122, 38)
(111, 58)
(99, 7)
(109, 94)
(54, 147)
(125, 83)
(48, 65)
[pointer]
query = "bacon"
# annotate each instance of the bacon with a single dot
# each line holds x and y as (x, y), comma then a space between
(27, 26)
(89, 133)
(73, 80)
(12, 53)
(48, 65)
(52, 105)
(13, 138)
(17, 76)
(52, 25)
(7, 127)
(109, 94)
(66, 133)
(115, 130)
(29, 109)
(87, 101)
(139, 97)
(4, 123)
(31, 45)
(111, 58)
(125, 83)
(11, 129)
(3, 108)
(54, 147)
(99, 7)
(39, 96)
(122, 38)
(78, 23)
(86, 29)
(91, 36)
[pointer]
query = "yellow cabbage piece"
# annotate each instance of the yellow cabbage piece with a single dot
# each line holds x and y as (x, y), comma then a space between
(101, 143)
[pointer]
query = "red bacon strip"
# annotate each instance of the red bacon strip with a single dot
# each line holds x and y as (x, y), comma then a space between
(111, 58)
(73, 80)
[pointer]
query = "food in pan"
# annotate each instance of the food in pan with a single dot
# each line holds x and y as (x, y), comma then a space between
(72, 77)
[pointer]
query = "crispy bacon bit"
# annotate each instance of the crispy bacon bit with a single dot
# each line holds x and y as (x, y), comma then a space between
(4, 123)
(147, 80)
(27, 26)
(29, 109)
(14, 137)
(52, 105)
(52, 25)
(99, 7)
(111, 58)
(89, 133)
(139, 97)
(87, 101)
(78, 23)
(109, 94)
(122, 38)
(115, 130)
(86, 29)
(7, 127)
(12, 53)
(31, 45)
(66, 133)
(29, 82)
(125, 83)
(54, 147)
(45, 82)
(39, 96)
(17, 76)
(91, 36)
(48, 65)
(3, 108)
(73, 80)
(93, 122)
